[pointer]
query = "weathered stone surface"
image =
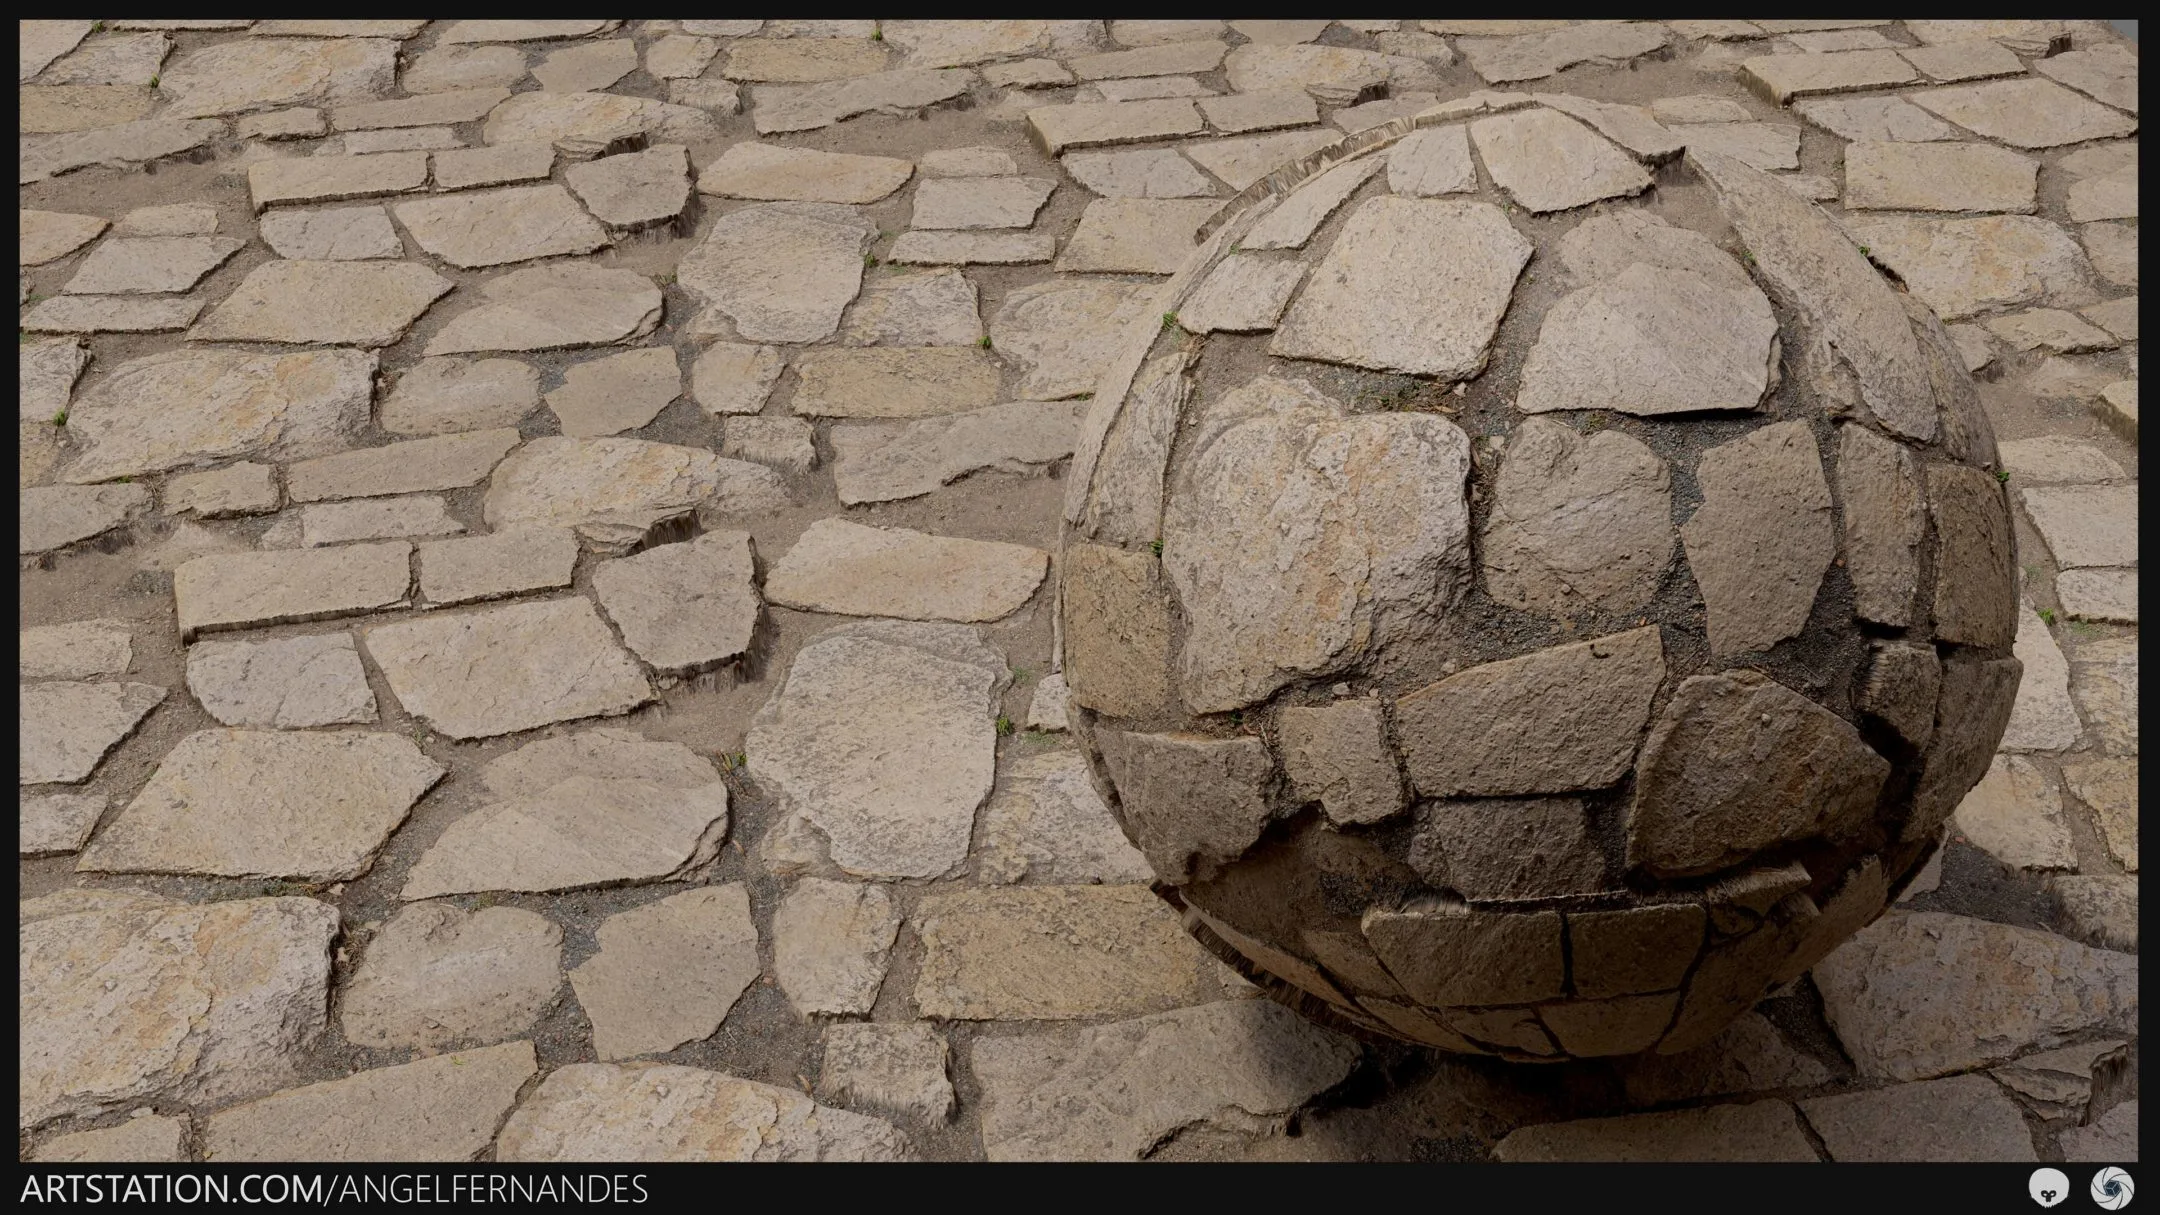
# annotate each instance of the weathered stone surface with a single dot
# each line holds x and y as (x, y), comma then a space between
(1494, 849)
(781, 272)
(1225, 536)
(1190, 803)
(369, 519)
(1332, 75)
(2016, 816)
(1547, 161)
(1760, 1131)
(1784, 77)
(914, 308)
(2050, 329)
(447, 395)
(893, 1068)
(1975, 595)
(55, 516)
(1971, 713)
(1053, 953)
(1884, 522)
(882, 462)
(2110, 595)
(1243, 161)
(45, 377)
(2109, 73)
(1584, 704)
(971, 248)
(585, 830)
(1027, 74)
(573, 482)
(659, 1111)
(110, 314)
(39, 157)
(238, 590)
(147, 1139)
(1900, 688)
(332, 234)
(1338, 755)
(445, 108)
(288, 683)
(735, 377)
(255, 74)
(500, 670)
(829, 945)
(1117, 630)
(1938, 177)
(799, 60)
(441, 1108)
(1113, 1092)
(1134, 235)
(1620, 344)
(2098, 909)
(501, 164)
(1061, 333)
(603, 753)
(324, 302)
(1988, 991)
(781, 108)
(636, 189)
(668, 971)
(1748, 1056)
(855, 570)
(1047, 824)
(893, 381)
(1386, 298)
(76, 650)
(1432, 161)
(587, 124)
(2044, 719)
(683, 607)
(1242, 294)
(2112, 1136)
(519, 31)
(1631, 126)
(587, 66)
(2025, 113)
(2108, 785)
(1452, 954)
(200, 1004)
(2105, 682)
(2086, 525)
(183, 406)
(981, 202)
(46, 236)
(447, 462)
(1620, 1026)
(329, 178)
(1266, 110)
(1531, 56)
(1095, 123)
(616, 392)
(1768, 146)
(1960, 267)
(1736, 764)
(40, 42)
(1883, 119)
(437, 975)
(492, 227)
(125, 266)
(66, 729)
(1762, 539)
(894, 789)
(786, 444)
(1294, 220)
(762, 171)
(1047, 707)
(1173, 57)
(1578, 524)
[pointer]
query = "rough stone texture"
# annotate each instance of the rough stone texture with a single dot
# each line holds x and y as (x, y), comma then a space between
(47, 236)
(240, 590)
(332, 234)
(286, 684)
(54, 516)
(1899, 689)
(329, 178)
(616, 392)
(2015, 815)
(495, 671)
(449, 462)
(370, 519)
(1046, 824)
(634, 190)
(76, 650)
(1883, 119)
(576, 482)
(442, 1108)
(255, 74)
(145, 1139)
(1284, 502)
(1241, 295)
(45, 377)
(1957, 1118)
(803, 107)
(464, 168)
(1975, 558)
(2111, 1137)
(586, 66)
(1973, 709)
(893, 381)
(786, 444)
(545, 307)
(2109, 787)
(1577, 523)
(1061, 333)
(62, 822)
(2100, 910)
(854, 570)
(1386, 297)
(1547, 161)
(1095, 123)
(1623, 342)
(185, 407)
(920, 308)
(1962, 267)
(1113, 1092)
(447, 395)
(1294, 220)
(1760, 1131)
(885, 461)
(1134, 235)
(1117, 628)
(2025, 113)
(894, 789)
(668, 971)
(781, 272)
(64, 730)
(1496, 849)
(1450, 954)
(122, 266)
(201, 1004)
(1432, 161)
(437, 975)
(1188, 802)
(1748, 1056)
(584, 830)
(1052, 953)
(2110, 595)
(1530, 56)
(1989, 992)
(2104, 679)
(1938, 177)
(659, 1112)
(1338, 755)
(774, 174)
(1241, 162)
(896, 1069)
(1736, 764)
(1884, 523)
(734, 377)
(686, 607)
(2045, 718)
(586, 124)
(830, 941)
(492, 227)
(39, 158)
(971, 248)
(1762, 539)
(980, 202)
(110, 314)
(2093, 525)
(1586, 703)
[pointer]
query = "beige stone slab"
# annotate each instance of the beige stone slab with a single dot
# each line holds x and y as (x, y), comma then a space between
(1055, 953)
(240, 590)
(855, 570)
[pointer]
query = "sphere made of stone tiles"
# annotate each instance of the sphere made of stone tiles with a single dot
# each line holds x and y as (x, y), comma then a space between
(1532, 590)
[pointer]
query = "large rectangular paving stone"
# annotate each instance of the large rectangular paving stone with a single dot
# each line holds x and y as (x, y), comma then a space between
(442, 462)
(242, 590)
(1095, 123)
(500, 670)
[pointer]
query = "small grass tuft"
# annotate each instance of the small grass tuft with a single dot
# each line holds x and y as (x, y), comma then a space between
(2047, 615)
(869, 261)
(153, 82)
(984, 342)
(2003, 475)
(1156, 545)
(60, 419)
(1004, 725)
(1169, 320)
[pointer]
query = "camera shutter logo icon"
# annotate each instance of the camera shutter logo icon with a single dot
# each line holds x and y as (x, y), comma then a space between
(2112, 1188)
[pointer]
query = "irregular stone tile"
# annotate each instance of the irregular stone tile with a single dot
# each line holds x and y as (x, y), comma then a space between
(1784, 77)
(2099, 910)
(1116, 620)
(1027, 74)
(2110, 595)
(238, 590)
(615, 393)
(1153, 173)
(1532, 56)
(2069, 379)
(445, 462)
(41, 157)
(1990, 991)
(61, 822)
(450, 67)
(1097, 123)
(441, 1108)
(145, 1139)
(634, 190)
(1046, 709)
(1332, 75)
(587, 66)
(1632, 127)
(1070, 1094)
(763, 171)
(50, 109)
(288, 683)
(668, 972)
(2015, 816)
(734, 377)
(1297, 217)
(604, 753)
(1242, 294)
(1160, 60)
(1266, 110)
(309, 179)
(586, 482)
(893, 381)
(1224, 537)
(449, 395)
(895, 1069)
(1748, 1056)
(679, 56)
(38, 43)
(1975, 601)
(2044, 718)
(1132, 458)
(1242, 161)
(236, 489)
(256, 74)
(683, 607)
(50, 235)
(202, 1003)
(437, 975)
(2114, 196)
(1762, 540)
(545, 307)
(1697, 808)
(369, 519)
(1947, 176)
(1634, 329)
(1972, 58)
(54, 516)
(1760, 1131)
(1956, 1118)
(519, 31)
(500, 670)
(2051, 330)
(489, 567)
(76, 650)
(464, 168)
(1338, 755)
(66, 729)
(883, 462)
(2108, 73)
(247, 803)
(584, 125)
(1884, 523)
(781, 272)
(1813, 270)
(1498, 850)
(1763, 145)
(803, 60)
(781, 108)
(1134, 235)
(324, 302)
(582, 831)
(2025, 113)
(439, 109)
(2086, 525)
(659, 1111)
(1882, 119)
(493, 227)
(855, 570)
(110, 314)
(979, 161)
(175, 219)
(1385, 297)
(893, 789)
(1971, 713)
(829, 945)
(992, 202)
(123, 266)
(971, 248)
(1544, 551)
(1452, 954)
(1432, 161)
(2108, 786)
(2112, 1136)
(1050, 953)
(1061, 333)
(332, 234)
(1190, 803)
(1047, 825)
(913, 308)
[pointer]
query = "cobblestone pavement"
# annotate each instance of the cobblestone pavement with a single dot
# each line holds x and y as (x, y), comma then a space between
(535, 633)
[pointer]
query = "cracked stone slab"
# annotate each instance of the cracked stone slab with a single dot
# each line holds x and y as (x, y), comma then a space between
(1061, 333)
(896, 1069)
(735, 377)
(1762, 540)
(442, 1108)
(1882, 119)
(440, 463)
(491, 671)
(287, 683)
(584, 125)
(267, 803)
(783, 272)
(65, 730)
(1242, 294)
(668, 971)
(54, 516)
(1242, 161)
(355, 303)
(2025, 113)
(660, 1111)
(2015, 816)
(41, 157)
(1784, 77)
(493, 227)
(124, 266)
(437, 975)
(774, 174)
(1651, 341)
(546, 307)
(683, 607)
(888, 461)
(854, 570)
(781, 108)
(46, 372)
(255, 74)
(1191, 803)
(830, 941)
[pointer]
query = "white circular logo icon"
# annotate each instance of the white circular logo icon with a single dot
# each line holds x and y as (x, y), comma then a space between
(2049, 1186)
(2112, 1188)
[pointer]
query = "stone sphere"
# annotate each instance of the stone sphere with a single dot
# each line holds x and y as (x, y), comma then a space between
(1531, 591)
